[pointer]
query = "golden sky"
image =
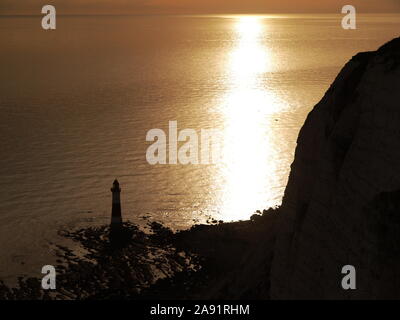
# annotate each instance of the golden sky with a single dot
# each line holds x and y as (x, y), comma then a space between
(195, 6)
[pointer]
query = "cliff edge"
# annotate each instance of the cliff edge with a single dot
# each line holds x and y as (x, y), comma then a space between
(342, 202)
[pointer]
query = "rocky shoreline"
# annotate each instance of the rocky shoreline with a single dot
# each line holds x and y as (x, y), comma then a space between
(138, 265)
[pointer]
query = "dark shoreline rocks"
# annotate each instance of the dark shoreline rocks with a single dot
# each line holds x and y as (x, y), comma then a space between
(138, 265)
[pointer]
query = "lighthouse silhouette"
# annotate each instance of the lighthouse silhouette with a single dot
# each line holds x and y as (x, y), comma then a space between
(116, 217)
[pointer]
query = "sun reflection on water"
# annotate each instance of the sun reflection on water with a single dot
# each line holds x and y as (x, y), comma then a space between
(249, 58)
(248, 170)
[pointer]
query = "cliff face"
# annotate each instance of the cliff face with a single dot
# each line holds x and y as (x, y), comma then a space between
(342, 202)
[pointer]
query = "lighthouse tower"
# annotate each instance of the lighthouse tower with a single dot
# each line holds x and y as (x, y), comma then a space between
(116, 217)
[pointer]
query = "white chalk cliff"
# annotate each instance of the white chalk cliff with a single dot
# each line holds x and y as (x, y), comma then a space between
(342, 202)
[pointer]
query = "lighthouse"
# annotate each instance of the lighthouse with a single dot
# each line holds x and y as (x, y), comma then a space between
(116, 217)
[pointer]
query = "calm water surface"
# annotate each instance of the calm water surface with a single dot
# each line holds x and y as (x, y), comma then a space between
(76, 105)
